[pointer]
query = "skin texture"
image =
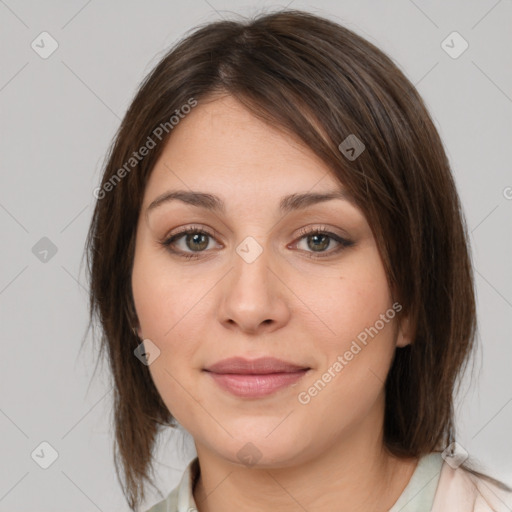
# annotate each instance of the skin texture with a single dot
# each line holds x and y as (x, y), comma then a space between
(324, 455)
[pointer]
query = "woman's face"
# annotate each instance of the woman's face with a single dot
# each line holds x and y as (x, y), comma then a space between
(260, 283)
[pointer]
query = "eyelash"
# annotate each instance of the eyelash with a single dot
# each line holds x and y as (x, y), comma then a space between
(343, 242)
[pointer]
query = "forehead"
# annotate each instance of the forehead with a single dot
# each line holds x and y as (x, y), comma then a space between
(221, 146)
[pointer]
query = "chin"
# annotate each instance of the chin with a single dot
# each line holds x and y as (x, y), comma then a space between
(265, 451)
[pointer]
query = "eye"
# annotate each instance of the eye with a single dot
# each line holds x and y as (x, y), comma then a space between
(319, 239)
(195, 239)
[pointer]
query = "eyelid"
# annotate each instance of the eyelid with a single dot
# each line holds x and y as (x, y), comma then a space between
(343, 241)
(320, 228)
(195, 228)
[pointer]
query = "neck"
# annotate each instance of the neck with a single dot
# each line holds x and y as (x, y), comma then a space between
(354, 472)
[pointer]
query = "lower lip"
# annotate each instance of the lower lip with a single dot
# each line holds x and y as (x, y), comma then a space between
(255, 386)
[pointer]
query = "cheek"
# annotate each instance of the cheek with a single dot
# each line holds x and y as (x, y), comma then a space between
(164, 298)
(355, 298)
(356, 359)
(162, 319)
(169, 319)
(358, 348)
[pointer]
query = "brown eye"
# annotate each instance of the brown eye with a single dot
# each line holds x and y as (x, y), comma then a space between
(187, 242)
(318, 240)
(197, 241)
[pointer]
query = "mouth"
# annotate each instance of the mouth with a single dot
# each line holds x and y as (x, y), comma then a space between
(255, 378)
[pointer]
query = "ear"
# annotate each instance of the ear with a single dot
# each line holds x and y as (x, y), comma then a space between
(137, 331)
(404, 336)
(133, 320)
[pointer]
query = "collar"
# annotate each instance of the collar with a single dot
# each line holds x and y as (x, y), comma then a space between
(185, 489)
(418, 495)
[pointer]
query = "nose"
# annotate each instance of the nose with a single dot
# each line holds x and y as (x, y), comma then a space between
(254, 298)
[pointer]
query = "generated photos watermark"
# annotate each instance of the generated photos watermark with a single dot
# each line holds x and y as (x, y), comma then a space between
(157, 134)
(305, 397)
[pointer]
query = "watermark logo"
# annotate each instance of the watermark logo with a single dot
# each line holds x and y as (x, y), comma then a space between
(249, 249)
(249, 454)
(147, 352)
(137, 156)
(454, 45)
(304, 397)
(455, 455)
(44, 455)
(351, 147)
(44, 250)
(44, 45)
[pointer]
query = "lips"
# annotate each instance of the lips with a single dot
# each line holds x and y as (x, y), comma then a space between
(260, 366)
(255, 378)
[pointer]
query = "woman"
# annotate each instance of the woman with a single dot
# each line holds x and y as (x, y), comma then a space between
(279, 263)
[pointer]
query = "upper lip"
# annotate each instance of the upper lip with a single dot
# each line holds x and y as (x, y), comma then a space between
(260, 366)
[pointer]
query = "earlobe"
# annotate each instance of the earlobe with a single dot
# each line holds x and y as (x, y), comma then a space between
(404, 336)
(402, 341)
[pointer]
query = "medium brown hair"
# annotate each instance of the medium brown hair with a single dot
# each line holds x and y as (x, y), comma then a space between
(319, 82)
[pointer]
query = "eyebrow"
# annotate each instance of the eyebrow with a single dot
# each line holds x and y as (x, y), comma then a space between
(214, 203)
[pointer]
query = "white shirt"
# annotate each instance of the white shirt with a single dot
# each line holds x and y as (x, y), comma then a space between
(433, 487)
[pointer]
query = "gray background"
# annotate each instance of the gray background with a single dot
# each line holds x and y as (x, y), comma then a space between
(58, 116)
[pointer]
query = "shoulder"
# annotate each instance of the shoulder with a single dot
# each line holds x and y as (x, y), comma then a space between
(461, 490)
